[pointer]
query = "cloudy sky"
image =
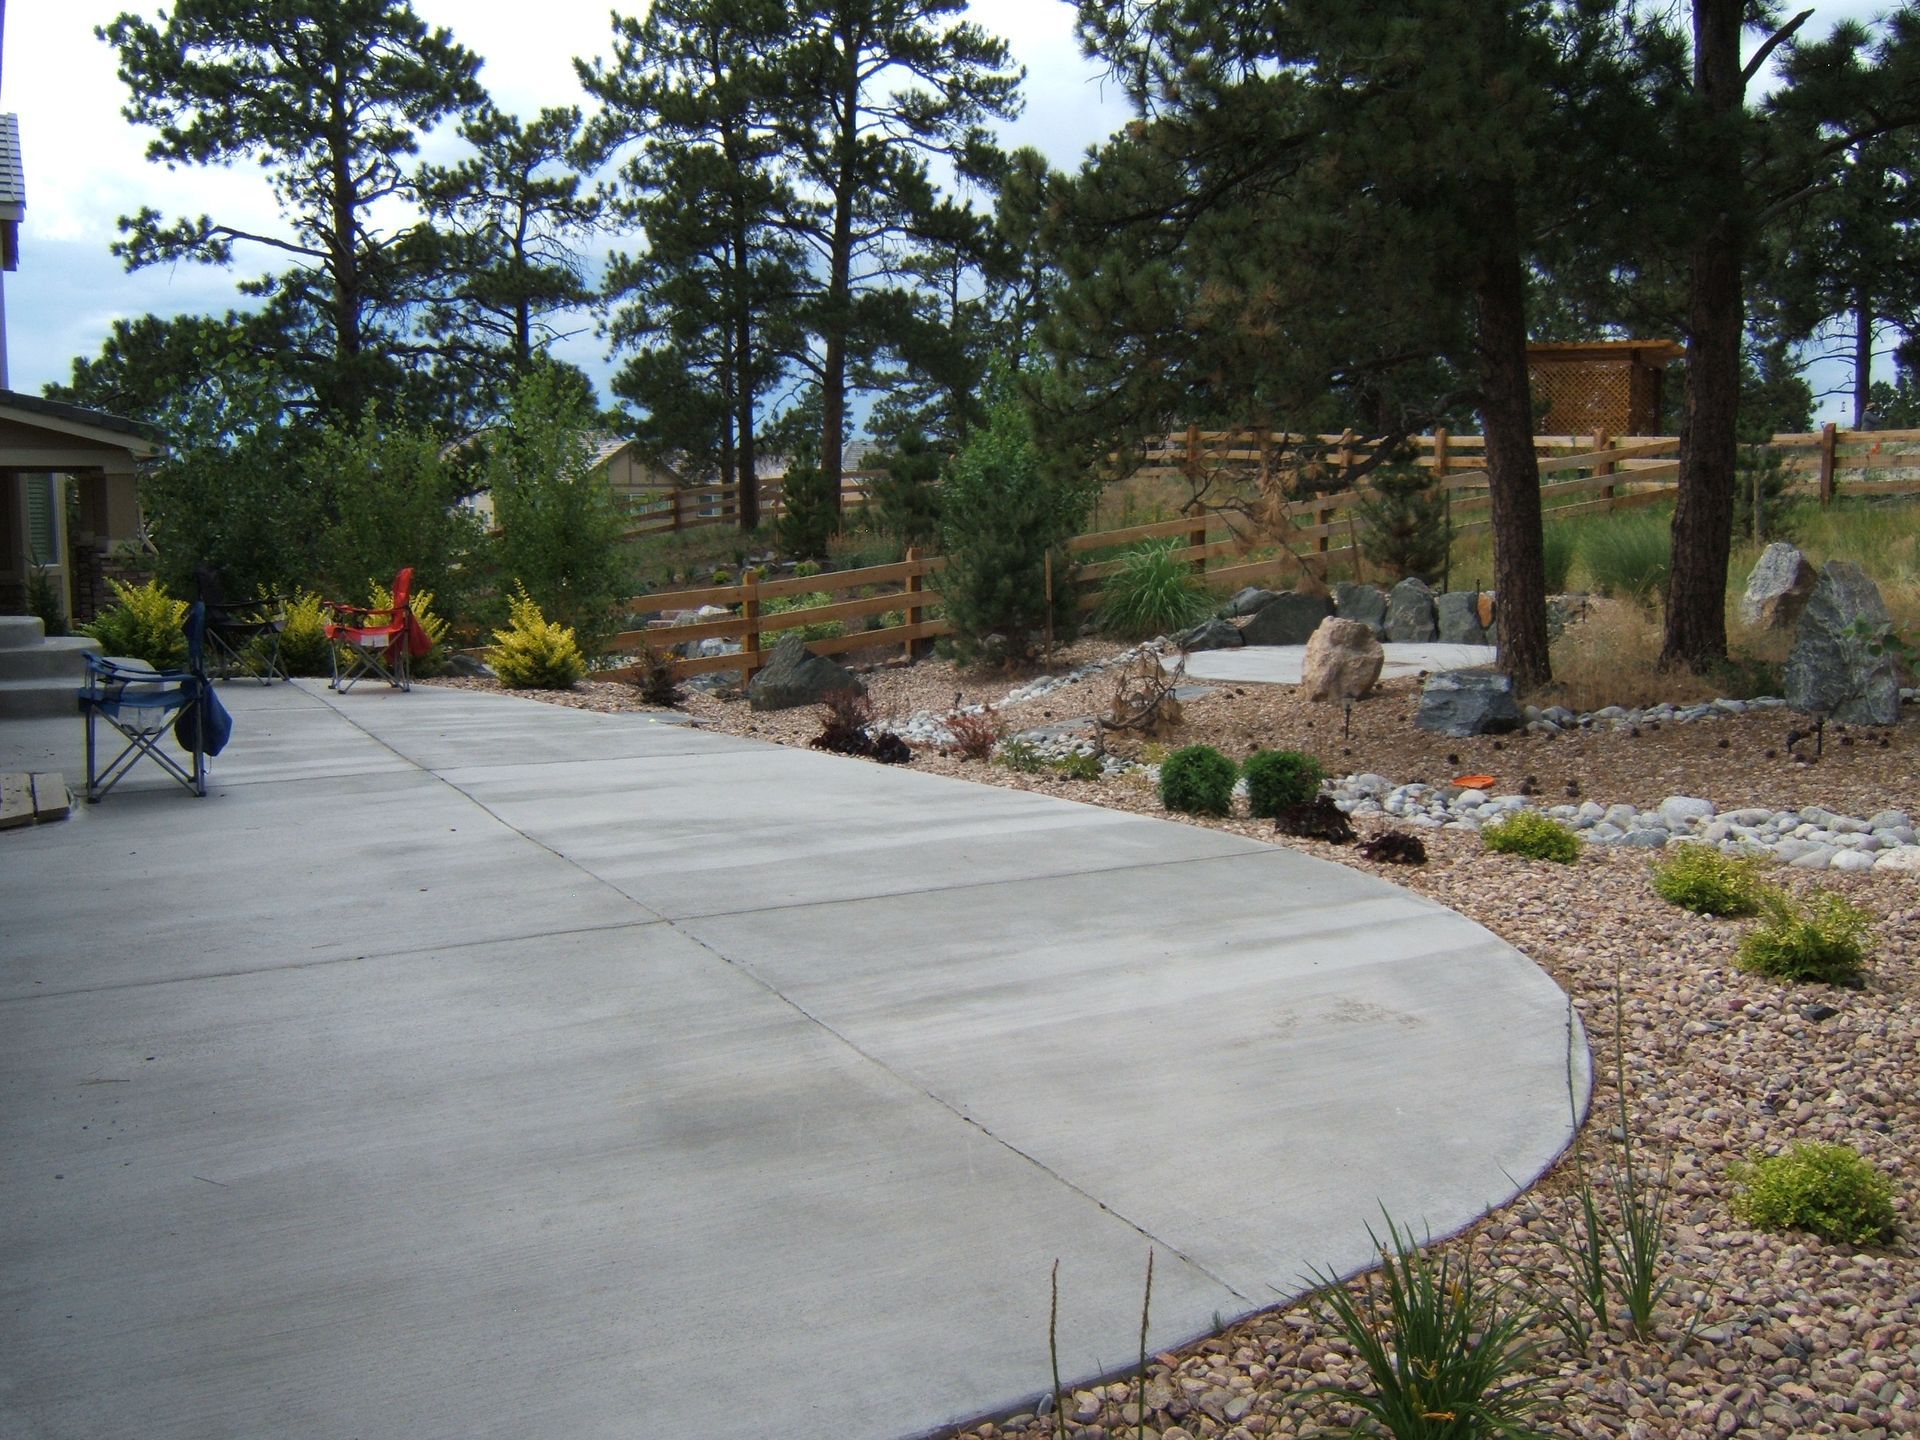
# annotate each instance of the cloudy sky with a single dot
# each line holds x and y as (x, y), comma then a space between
(85, 165)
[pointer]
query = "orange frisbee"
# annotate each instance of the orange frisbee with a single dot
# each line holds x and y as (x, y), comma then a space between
(1474, 782)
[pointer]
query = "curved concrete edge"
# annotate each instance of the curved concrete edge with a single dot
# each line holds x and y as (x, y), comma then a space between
(1281, 664)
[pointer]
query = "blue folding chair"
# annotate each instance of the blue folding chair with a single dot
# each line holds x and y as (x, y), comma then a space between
(142, 704)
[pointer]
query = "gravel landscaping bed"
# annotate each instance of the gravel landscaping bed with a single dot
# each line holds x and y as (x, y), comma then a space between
(1761, 1334)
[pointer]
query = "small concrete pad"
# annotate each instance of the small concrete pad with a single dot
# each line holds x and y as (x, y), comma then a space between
(466, 1066)
(1281, 664)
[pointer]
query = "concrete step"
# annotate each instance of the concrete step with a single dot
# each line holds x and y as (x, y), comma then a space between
(20, 631)
(55, 659)
(23, 699)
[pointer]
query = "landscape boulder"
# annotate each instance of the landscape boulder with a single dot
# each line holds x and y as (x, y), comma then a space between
(1365, 603)
(1778, 588)
(1290, 618)
(1214, 634)
(1468, 702)
(1833, 671)
(1410, 614)
(1250, 600)
(795, 676)
(1343, 660)
(1457, 618)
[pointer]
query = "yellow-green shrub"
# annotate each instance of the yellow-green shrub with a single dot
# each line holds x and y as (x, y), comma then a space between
(303, 643)
(1828, 1190)
(533, 652)
(147, 624)
(421, 603)
(1822, 940)
(1533, 835)
(1703, 879)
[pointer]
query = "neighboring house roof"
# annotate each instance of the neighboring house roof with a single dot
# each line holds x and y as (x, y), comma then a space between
(79, 419)
(13, 192)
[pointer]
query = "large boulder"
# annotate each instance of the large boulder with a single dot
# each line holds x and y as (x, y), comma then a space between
(1365, 603)
(1343, 660)
(795, 676)
(1457, 618)
(1214, 634)
(1290, 618)
(1833, 670)
(1410, 613)
(1250, 600)
(1778, 588)
(1468, 702)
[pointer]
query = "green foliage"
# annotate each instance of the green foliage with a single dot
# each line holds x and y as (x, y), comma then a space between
(1002, 519)
(1704, 879)
(1821, 940)
(1760, 474)
(533, 652)
(906, 500)
(1152, 594)
(813, 600)
(1828, 1190)
(1629, 555)
(856, 547)
(303, 644)
(810, 519)
(1279, 778)
(144, 623)
(1558, 545)
(1197, 780)
(420, 602)
(1078, 766)
(560, 528)
(1534, 836)
(1442, 1357)
(1405, 527)
(43, 601)
(1021, 756)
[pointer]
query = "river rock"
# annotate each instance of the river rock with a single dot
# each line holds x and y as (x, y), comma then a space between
(1343, 660)
(1214, 634)
(1250, 600)
(1365, 603)
(1832, 671)
(795, 676)
(1778, 588)
(1410, 613)
(1457, 618)
(1468, 702)
(1290, 618)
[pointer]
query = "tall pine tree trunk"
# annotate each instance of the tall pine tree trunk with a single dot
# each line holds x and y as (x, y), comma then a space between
(1513, 468)
(839, 316)
(1862, 356)
(745, 386)
(1696, 630)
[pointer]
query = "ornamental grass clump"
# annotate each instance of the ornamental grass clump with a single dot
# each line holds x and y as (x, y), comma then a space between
(1822, 940)
(1278, 779)
(533, 652)
(1197, 780)
(1151, 594)
(1706, 880)
(1533, 836)
(1827, 1190)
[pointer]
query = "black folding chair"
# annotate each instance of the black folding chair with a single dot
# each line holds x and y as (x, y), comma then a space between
(242, 635)
(142, 705)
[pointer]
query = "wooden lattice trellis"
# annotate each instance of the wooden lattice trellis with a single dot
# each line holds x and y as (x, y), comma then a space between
(1610, 386)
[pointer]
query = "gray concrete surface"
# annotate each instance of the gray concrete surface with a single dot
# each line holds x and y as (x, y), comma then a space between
(463, 1066)
(1280, 664)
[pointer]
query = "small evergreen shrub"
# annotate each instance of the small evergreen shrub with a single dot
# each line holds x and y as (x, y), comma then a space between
(1152, 594)
(533, 652)
(1707, 881)
(808, 519)
(1404, 523)
(1197, 780)
(906, 500)
(1533, 836)
(1827, 1190)
(146, 624)
(1822, 940)
(1277, 779)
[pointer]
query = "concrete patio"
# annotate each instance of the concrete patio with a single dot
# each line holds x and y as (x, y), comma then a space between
(465, 1066)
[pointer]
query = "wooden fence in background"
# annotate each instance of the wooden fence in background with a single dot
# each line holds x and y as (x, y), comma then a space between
(665, 509)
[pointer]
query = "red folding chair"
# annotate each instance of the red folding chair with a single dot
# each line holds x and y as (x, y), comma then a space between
(383, 643)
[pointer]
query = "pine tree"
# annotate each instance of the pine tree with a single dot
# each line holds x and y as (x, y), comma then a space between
(906, 500)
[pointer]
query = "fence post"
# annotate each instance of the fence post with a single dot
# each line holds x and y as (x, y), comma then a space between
(1605, 467)
(750, 640)
(676, 507)
(1829, 436)
(914, 648)
(1441, 456)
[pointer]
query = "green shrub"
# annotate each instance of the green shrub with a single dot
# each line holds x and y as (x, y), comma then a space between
(808, 518)
(45, 601)
(1021, 756)
(146, 624)
(906, 500)
(303, 644)
(533, 652)
(1822, 940)
(1759, 471)
(1828, 1190)
(1629, 555)
(1152, 594)
(813, 600)
(1532, 835)
(1279, 778)
(1706, 880)
(434, 662)
(1079, 766)
(1197, 780)
(1404, 521)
